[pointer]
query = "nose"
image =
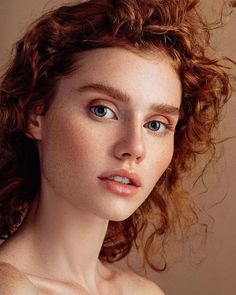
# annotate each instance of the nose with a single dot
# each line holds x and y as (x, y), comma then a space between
(130, 146)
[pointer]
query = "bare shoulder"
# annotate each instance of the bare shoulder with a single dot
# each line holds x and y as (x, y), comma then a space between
(143, 285)
(14, 282)
(138, 285)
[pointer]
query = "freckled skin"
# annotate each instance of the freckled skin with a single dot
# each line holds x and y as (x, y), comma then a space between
(76, 147)
(61, 237)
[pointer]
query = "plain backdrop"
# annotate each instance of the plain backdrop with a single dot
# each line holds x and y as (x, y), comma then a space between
(210, 269)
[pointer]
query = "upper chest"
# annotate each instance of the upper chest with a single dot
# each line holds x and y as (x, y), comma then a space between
(48, 287)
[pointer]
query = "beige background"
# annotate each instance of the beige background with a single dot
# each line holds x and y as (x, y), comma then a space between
(211, 270)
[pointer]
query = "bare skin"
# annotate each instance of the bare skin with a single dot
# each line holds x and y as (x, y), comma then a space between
(14, 282)
(56, 249)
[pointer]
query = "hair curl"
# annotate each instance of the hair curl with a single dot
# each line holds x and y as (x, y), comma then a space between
(47, 52)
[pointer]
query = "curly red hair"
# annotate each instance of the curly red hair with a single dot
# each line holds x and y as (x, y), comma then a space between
(48, 51)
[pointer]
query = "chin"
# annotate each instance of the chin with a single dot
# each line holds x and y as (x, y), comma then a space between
(120, 217)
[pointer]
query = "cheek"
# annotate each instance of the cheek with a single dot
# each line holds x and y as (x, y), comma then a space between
(71, 147)
(70, 150)
(57, 147)
(168, 154)
(163, 156)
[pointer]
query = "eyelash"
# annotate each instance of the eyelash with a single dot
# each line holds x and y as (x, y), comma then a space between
(167, 126)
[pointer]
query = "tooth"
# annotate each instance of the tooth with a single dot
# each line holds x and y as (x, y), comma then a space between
(120, 179)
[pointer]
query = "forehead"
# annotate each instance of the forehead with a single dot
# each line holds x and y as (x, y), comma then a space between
(142, 74)
(124, 55)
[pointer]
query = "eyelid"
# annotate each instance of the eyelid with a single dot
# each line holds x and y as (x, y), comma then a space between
(104, 103)
(165, 119)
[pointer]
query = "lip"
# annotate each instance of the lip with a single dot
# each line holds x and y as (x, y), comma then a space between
(120, 188)
(124, 173)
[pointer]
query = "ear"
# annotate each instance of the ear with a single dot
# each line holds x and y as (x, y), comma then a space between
(34, 129)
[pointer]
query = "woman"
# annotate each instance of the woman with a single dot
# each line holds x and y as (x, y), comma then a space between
(104, 109)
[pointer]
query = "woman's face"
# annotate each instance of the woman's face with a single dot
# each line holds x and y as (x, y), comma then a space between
(103, 119)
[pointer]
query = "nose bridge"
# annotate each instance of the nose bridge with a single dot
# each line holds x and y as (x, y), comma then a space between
(130, 145)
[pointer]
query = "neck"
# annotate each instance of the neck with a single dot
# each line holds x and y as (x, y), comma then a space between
(64, 242)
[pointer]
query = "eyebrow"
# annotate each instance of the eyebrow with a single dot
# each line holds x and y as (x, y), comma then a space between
(119, 95)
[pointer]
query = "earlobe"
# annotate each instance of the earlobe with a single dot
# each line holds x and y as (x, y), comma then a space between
(34, 129)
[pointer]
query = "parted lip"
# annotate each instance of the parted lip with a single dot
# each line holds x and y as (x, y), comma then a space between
(124, 173)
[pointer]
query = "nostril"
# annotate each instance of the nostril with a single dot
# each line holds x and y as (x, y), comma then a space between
(126, 154)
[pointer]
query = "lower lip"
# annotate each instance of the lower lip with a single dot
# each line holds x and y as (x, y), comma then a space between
(120, 188)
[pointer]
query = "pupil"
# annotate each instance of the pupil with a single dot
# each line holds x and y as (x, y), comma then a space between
(100, 110)
(155, 125)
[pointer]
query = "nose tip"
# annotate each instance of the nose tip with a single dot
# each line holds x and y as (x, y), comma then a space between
(132, 150)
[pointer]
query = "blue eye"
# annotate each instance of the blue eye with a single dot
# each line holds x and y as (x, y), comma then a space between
(157, 126)
(101, 110)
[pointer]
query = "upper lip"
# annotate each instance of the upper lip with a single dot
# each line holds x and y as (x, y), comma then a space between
(124, 173)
